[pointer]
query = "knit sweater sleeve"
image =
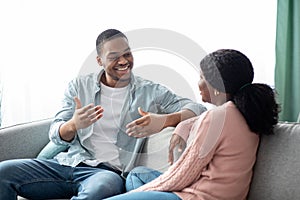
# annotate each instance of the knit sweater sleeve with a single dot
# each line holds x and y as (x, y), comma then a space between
(189, 166)
(183, 128)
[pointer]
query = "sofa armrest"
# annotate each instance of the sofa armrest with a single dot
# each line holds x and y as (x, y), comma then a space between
(24, 140)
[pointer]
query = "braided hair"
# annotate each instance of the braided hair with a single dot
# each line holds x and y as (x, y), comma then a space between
(231, 72)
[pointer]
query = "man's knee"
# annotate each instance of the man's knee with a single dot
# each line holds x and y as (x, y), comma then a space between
(101, 185)
(6, 169)
(140, 169)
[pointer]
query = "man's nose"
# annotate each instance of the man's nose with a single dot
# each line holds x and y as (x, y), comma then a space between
(122, 60)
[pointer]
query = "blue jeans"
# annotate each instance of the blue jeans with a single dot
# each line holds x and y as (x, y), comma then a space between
(138, 177)
(46, 179)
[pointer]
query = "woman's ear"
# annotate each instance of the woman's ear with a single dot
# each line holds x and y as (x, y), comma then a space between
(99, 60)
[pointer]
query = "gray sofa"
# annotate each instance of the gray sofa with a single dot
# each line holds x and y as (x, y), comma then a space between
(276, 173)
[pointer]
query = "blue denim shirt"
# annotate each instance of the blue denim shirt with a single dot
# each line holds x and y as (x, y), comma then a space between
(146, 94)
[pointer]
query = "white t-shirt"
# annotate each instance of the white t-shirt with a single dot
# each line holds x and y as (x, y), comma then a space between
(104, 137)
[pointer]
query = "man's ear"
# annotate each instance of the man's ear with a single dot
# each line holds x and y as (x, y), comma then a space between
(99, 60)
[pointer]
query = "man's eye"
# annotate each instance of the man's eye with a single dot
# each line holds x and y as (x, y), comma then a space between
(127, 54)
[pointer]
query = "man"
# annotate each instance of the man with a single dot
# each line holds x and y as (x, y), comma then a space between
(102, 117)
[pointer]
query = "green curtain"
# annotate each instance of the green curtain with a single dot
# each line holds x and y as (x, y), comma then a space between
(287, 69)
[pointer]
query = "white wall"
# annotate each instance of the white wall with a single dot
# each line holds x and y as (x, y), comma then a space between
(44, 43)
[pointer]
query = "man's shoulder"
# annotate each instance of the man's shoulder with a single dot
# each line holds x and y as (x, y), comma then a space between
(141, 82)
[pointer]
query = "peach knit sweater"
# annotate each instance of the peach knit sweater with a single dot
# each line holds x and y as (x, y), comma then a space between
(218, 163)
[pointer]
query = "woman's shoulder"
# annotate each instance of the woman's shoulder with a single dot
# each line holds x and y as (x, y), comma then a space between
(226, 113)
(229, 107)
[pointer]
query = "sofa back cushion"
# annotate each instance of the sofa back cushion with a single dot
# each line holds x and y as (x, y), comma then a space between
(24, 140)
(156, 151)
(277, 169)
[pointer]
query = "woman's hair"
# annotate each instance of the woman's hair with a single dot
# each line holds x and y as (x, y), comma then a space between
(230, 71)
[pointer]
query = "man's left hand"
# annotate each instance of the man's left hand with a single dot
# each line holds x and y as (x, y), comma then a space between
(147, 125)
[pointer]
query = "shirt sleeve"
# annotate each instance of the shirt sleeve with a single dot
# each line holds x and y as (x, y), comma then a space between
(65, 114)
(188, 168)
(172, 102)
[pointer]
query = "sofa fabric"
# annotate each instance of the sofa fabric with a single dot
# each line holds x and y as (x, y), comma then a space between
(24, 140)
(277, 168)
(155, 154)
(276, 172)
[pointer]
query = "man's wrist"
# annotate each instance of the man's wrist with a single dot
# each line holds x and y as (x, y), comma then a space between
(175, 118)
(67, 131)
(172, 119)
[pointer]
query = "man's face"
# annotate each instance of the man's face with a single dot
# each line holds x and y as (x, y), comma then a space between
(117, 61)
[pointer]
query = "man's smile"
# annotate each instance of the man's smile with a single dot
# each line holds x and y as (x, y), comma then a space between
(122, 68)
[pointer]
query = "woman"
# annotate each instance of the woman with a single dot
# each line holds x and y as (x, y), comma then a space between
(222, 143)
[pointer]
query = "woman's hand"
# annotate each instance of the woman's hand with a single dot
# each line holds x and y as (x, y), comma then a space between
(176, 141)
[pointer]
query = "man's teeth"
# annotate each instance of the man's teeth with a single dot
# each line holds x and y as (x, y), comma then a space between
(122, 68)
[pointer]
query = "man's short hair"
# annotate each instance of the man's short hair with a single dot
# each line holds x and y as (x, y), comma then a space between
(107, 35)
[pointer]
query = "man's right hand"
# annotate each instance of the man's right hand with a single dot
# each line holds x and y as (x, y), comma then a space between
(85, 116)
(82, 118)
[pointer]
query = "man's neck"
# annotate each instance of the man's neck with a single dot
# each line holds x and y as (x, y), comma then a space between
(113, 83)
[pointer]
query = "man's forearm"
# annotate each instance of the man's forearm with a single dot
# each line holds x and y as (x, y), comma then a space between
(174, 118)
